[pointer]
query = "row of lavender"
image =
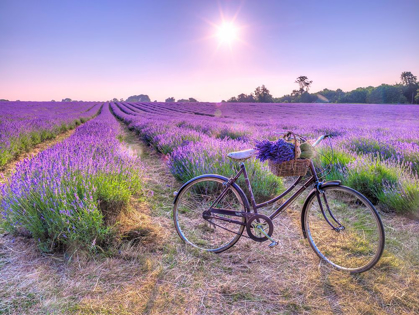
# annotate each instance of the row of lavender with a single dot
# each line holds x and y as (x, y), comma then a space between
(65, 196)
(376, 147)
(192, 153)
(25, 124)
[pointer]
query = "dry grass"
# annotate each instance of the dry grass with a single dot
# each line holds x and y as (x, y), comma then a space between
(155, 273)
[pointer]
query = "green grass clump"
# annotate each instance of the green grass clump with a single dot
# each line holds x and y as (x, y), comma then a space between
(390, 184)
(402, 198)
(75, 211)
(369, 177)
(333, 162)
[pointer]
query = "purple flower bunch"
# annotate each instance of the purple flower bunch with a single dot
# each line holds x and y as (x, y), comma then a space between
(278, 152)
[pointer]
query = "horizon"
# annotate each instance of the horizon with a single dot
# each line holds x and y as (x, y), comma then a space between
(107, 50)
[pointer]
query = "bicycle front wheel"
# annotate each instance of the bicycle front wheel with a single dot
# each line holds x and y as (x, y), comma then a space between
(357, 242)
(212, 234)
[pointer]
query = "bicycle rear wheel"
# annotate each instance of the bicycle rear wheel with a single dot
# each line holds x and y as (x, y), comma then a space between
(208, 234)
(358, 244)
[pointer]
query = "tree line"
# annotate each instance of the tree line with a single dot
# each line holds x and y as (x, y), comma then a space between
(405, 92)
(146, 98)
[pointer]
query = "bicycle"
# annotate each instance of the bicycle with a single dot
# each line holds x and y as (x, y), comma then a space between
(342, 226)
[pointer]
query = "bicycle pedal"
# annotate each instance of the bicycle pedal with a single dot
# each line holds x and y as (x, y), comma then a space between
(273, 244)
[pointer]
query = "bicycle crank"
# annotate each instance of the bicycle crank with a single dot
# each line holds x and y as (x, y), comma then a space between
(260, 228)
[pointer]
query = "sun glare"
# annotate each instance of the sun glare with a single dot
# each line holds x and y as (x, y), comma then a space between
(227, 33)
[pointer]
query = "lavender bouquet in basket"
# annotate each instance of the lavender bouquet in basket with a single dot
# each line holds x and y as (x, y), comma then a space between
(278, 152)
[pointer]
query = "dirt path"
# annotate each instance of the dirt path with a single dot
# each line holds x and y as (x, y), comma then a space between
(161, 275)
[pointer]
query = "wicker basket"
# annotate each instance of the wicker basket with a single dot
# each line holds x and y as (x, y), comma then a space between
(296, 167)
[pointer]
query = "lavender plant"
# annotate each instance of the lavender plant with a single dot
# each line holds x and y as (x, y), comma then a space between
(210, 157)
(67, 195)
(378, 134)
(25, 124)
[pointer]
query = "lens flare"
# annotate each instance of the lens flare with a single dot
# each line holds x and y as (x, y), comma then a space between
(227, 32)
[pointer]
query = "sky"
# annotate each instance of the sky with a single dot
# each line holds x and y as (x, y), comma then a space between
(99, 49)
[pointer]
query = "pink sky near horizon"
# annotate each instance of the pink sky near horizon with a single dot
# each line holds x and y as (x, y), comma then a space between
(48, 56)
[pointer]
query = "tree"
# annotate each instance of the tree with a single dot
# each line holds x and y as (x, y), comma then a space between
(3, 100)
(411, 85)
(262, 95)
(304, 84)
(121, 99)
(386, 94)
(244, 98)
(306, 98)
(170, 100)
(283, 99)
(331, 96)
(192, 100)
(417, 96)
(232, 99)
(138, 98)
(408, 78)
(66, 100)
(296, 93)
(356, 96)
(183, 100)
(114, 99)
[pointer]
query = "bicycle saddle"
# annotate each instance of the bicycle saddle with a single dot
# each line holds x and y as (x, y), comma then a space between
(242, 155)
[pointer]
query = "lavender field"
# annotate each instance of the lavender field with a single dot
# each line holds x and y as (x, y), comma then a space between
(93, 196)
(375, 147)
(25, 124)
(60, 195)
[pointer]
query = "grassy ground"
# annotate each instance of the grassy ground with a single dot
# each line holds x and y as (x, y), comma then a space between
(156, 274)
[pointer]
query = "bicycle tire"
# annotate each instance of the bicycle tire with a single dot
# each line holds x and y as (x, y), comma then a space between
(359, 245)
(189, 205)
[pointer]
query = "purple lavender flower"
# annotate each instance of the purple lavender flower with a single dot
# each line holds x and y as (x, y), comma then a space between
(278, 152)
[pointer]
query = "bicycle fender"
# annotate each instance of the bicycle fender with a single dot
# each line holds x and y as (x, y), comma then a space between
(241, 192)
(303, 212)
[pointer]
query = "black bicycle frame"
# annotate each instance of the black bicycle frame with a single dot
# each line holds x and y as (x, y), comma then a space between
(312, 180)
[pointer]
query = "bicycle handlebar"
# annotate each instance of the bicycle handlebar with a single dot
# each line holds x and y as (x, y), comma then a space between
(321, 138)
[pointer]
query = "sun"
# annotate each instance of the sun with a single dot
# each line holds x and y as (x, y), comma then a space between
(227, 32)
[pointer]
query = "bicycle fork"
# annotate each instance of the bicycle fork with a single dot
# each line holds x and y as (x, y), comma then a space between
(338, 228)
